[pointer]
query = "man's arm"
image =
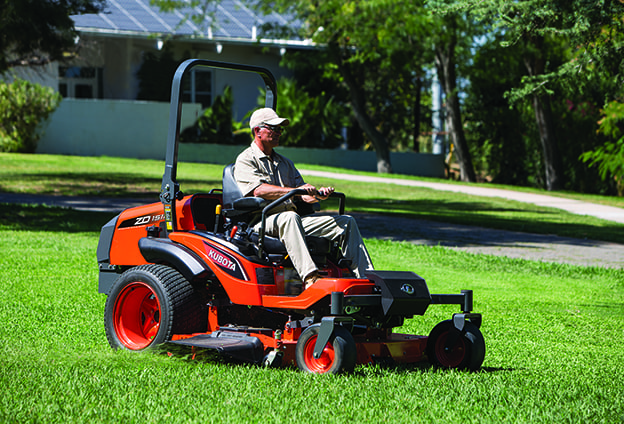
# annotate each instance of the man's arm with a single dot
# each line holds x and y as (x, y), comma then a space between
(272, 192)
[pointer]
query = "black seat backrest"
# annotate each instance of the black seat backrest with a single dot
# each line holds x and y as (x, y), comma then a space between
(245, 209)
(231, 191)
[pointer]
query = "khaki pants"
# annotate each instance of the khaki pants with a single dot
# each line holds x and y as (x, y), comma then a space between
(291, 229)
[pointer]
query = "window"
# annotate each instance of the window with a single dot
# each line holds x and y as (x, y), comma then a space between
(80, 82)
(197, 87)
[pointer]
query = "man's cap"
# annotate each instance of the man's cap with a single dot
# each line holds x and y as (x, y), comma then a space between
(266, 116)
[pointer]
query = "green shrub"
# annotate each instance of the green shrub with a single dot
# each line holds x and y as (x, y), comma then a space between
(315, 121)
(23, 106)
(216, 125)
(610, 156)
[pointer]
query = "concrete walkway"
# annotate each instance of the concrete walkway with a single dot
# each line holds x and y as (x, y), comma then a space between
(573, 206)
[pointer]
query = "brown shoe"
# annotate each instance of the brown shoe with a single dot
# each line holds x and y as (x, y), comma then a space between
(311, 279)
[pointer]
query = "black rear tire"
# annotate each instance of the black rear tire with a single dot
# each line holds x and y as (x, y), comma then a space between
(148, 304)
(468, 351)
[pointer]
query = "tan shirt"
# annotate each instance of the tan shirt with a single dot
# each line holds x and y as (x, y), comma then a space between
(254, 168)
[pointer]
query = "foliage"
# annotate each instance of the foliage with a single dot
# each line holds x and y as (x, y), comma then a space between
(594, 30)
(375, 56)
(453, 35)
(375, 51)
(378, 51)
(610, 156)
(315, 121)
(312, 80)
(155, 75)
(23, 107)
(496, 132)
(216, 125)
(571, 52)
(35, 32)
(504, 137)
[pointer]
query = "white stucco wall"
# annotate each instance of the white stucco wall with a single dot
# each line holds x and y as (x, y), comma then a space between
(112, 128)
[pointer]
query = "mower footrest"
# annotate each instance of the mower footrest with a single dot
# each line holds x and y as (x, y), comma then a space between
(237, 345)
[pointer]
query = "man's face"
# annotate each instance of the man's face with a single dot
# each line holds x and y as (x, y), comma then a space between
(269, 135)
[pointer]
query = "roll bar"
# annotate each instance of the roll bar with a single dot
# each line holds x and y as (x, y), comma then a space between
(170, 189)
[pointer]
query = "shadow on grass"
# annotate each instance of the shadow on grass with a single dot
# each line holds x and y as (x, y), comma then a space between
(18, 217)
(186, 353)
(104, 184)
(401, 220)
(423, 367)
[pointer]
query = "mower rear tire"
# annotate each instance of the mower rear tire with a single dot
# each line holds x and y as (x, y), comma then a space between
(467, 352)
(338, 356)
(147, 305)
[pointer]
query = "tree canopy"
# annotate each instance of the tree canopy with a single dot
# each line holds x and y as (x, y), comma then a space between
(572, 51)
(594, 32)
(35, 32)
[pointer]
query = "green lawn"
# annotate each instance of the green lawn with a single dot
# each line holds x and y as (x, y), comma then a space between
(554, 333)
(554, 336)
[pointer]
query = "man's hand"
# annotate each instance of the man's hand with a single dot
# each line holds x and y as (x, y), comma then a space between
(324, 193)
(309, 188)
(315, 195)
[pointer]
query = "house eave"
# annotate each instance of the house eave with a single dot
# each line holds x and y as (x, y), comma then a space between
(299, 44)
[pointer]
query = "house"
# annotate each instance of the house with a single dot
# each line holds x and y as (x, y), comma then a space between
(106, 107)
(117, 40)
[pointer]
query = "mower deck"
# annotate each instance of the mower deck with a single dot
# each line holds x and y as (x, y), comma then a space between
(249, 344)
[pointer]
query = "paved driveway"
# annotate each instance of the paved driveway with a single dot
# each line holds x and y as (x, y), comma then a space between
(513, 244)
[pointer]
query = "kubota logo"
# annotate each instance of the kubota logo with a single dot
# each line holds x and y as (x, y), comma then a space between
(227, 263)
(219, 259)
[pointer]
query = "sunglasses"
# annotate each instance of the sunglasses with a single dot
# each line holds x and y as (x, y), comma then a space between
(276, 129)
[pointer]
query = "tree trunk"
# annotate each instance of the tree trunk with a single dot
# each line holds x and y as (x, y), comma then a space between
(550, 149)
(445, 65)
(358, 103)
(553, 167)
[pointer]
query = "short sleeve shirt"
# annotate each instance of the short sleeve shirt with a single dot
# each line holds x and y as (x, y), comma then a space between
(254, 168)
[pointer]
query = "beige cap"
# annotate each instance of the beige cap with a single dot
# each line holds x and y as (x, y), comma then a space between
(266, 116)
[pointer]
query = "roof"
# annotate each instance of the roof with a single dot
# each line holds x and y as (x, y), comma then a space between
(233, 21)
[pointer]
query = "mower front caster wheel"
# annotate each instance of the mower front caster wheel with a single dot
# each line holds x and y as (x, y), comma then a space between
(338, 356)
(449, 347)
